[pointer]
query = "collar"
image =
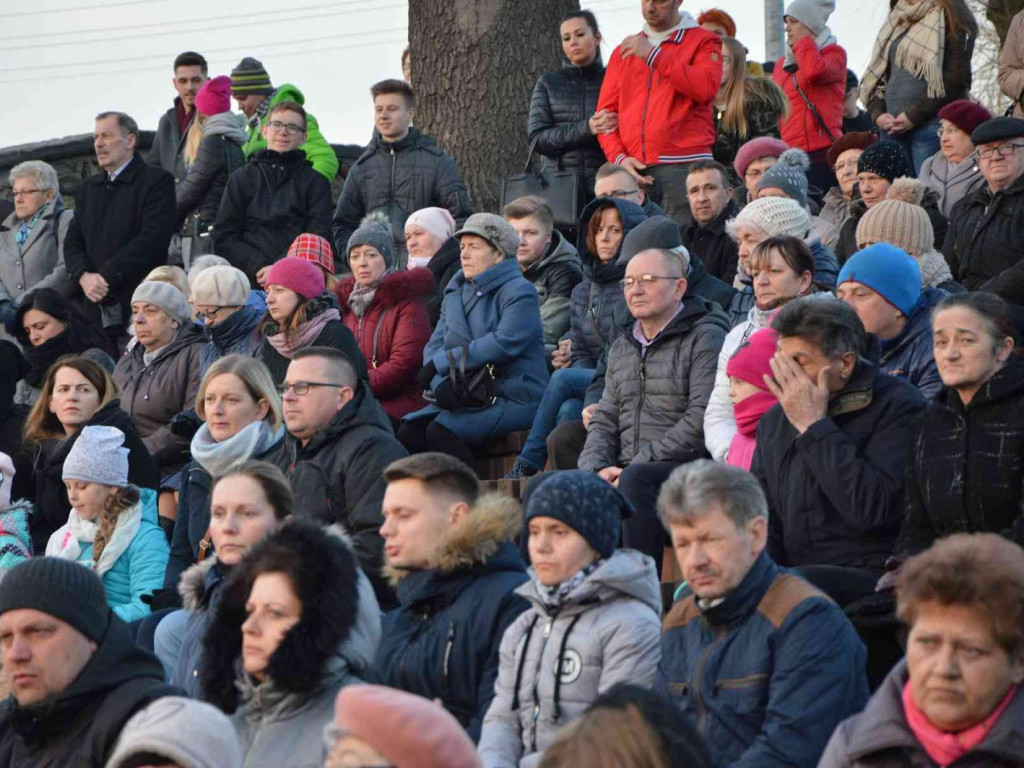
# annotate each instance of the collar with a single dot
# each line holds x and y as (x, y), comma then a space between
(739, 604)
(638, 332)
(858, 392)
(114, 174)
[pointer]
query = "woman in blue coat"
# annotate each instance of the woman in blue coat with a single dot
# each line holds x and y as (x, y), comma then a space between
(490, 318)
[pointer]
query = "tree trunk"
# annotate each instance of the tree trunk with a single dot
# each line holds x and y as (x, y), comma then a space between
(474, 65)
(1001, 13)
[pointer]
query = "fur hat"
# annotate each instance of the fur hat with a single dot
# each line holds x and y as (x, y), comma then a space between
(789, 175)
(165, 296)
(755, 149)
(303, 277)
(776, 216)
(220, 287)
(184, 731)
(899, 219)
(888, 271)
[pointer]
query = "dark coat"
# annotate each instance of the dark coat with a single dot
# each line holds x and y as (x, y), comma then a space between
(269, 202)
(199, 588)
(982, 246)
(169, 142)
(391, 335)
(443, 265)
(337, 477)
(909, 355)
(121, 228)
(399, 179)
(560, 106)
(766, 674)
(847, 245)
(81, 725)
(966, 467)
(700, 282)
(443, 639)
(52, 505)
(554, 275)
(717, 251)
(218, 156)
(12, 426)
(237, 334)
(763, 108)
(835, 493)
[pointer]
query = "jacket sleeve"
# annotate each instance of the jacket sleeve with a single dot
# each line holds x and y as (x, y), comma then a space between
(554, 318)
(837, 752)
(450, 191)
(230, 227)
(553, 139)
(412, 332)
(698, 80)
(926, 378)
(164, 446)
(611, 143)
(59, 280)
(956, 74)
(501, 737)
(1008, 284)
(776, 547)
(581, 354)
(817, 67)
(318, 151)
(631, 650)
(817, 681)
(146, 566)
(76, 260)
(318, 207)
(204, 169)
(602, 446)
(719, 419)
(180, 556)
(348, 213)
(595, 390)
(1011, 60)
(685, 441)
(512, 607)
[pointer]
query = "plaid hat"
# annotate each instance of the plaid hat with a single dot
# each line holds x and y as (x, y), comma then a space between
(303, 277)
(220, 286)
(313, 248)
(98, 456)
(775, 216)
(60, 588)
(250, 77)
(583, 501)
(184, 731)
(965, 115)
(853, 140)
(789, 175)
(494, 229)
(755, 149)
(887, 159)
(888, 271)
(165, 296)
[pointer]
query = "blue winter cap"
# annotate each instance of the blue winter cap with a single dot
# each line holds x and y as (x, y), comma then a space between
(889, 271)
(586, 503)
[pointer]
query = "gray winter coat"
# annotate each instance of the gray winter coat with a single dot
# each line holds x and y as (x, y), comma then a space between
(607, 631)
(951, 182)
(169, 143)
(554, 275)
(653, 404)
(879, 737)
(40, 264)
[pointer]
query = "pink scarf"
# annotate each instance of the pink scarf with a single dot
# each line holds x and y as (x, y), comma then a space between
(747, 413)
(942, 746)
(287, 345)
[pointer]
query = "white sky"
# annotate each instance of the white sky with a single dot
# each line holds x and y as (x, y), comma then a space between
(62, 61)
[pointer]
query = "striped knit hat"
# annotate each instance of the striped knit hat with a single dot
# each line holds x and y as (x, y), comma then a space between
(250, 77)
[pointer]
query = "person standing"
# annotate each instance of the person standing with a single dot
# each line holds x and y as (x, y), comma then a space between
(190, 72)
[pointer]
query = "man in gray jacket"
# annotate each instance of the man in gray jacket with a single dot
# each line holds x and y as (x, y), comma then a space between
(190, 72)
(658, 381)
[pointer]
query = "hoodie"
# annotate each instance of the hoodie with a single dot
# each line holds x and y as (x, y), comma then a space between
(554, 275)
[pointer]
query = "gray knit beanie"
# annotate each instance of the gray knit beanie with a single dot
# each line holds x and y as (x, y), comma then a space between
(813, 14)
(60, 588)
(98, 456)
(165, 296)
(375, 231)
(789, 175)
(185, 731)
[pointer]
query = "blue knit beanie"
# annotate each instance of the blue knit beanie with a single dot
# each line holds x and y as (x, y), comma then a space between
(583, 501)
(887, 270)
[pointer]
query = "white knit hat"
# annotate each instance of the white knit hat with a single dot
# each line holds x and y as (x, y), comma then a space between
(165, 296)
(437, 221)
(776, 216)
(220, 287)
(98, 456)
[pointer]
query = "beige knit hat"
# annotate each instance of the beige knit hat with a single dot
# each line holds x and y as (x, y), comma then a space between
(899, 219)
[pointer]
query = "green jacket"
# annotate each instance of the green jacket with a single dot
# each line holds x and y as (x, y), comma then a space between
(317, 150)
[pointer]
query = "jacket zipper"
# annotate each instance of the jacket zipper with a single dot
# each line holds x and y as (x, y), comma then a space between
(535, 714)
(447, 656)
(643, 118)
(639, 405)
(391, 196)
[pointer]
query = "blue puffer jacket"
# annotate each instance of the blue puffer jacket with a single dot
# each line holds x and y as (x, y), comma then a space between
(767, 674)
(593, 303)
(238, 334)
(443, 640)
(496, 316)
(909, 355)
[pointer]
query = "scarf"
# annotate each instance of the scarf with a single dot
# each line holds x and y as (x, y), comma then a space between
(942, 746)
(250, 441)
(26, 227)
(748, 414)
(554, 597)
(415, 262)
(824, 38)
(934, 269)
(362, 296)
(304, 336)
(42, 357)
(228, 336)
(920, 51)
(66, 543)
(686, 21)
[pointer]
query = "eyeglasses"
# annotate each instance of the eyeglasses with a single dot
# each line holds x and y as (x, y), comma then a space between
(645, 280)
(24, 192)
(302, 387)
(290, 128)
(623, 194)
(754, 173)
(1003, 149)
(949, 129)
(211, 312)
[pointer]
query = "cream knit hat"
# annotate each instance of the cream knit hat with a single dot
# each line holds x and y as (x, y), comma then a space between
(776, 216)
(899, 219)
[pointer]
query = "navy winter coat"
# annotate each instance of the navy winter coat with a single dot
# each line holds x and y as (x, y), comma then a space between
(443, 640)
(766, 674)
(909, 355)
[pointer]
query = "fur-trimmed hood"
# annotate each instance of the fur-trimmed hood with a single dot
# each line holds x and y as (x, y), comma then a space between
(401, 285)
(195, 584)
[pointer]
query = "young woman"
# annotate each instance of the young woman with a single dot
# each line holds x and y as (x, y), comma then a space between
(595, 619)
(299, 315)
(294, 623)
(386, 311)
(748, 393)
(110, 528)
(76, 393)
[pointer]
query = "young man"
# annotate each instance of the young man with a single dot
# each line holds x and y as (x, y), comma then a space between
(400, 172)
(190, 72)
(711, 205)
(451, 556)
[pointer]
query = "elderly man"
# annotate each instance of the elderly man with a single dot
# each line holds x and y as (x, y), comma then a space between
(764, 664)
(75, 675)
(985, 228)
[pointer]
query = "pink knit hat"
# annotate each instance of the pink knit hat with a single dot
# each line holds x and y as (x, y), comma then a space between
(437, 221)
(750, 361)
(303, 277)
(313, 248)
(755, 149)
(215, 96)
(407, 730)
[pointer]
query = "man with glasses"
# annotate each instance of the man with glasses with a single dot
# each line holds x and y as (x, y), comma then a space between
(338, 443)
(273, 198)
(983, 244)
(613, 180)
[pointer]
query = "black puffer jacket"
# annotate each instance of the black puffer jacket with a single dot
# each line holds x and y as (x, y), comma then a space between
(399, 179)
(764, 104)
(561, 104)
(712, 245)
(847, 245)
(269, 202)
(219, 154)
(555, 275)
(443, 265)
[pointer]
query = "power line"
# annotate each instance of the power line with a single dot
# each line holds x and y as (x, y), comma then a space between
(76, 8)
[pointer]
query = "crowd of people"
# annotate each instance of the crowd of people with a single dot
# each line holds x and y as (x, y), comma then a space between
(767, 506)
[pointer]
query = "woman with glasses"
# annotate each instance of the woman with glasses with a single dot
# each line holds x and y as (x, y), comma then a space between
(231, 326)
(953, 171)
(752, 160)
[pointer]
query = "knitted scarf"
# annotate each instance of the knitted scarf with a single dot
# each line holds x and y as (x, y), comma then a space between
(920, 52)
(362, 296)
(934, 269)
(249, 442)
(68, 540)
(748, 413)
(26, 227)
(554, 596)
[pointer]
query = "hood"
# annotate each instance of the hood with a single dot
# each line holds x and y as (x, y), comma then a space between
(359, 648)
(227, 124)
(287, 92)
(918, 324)
(559, 252)
(361, 410)
(195, 583)
(609, 271)
(1007, 382)
(401, 285)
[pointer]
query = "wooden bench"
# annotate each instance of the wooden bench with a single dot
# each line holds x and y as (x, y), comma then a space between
(496, 458)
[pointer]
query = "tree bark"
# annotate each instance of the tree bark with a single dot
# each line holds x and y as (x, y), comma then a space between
(1001, 13)
(474, 65)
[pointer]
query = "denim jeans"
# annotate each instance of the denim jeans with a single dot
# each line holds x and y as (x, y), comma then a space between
(562, 402)
(921, 143)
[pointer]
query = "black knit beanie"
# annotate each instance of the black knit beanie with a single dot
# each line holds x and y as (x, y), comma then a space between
(65, 590)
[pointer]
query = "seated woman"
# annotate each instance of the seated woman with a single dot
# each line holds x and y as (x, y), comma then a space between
(788, 178)
(294, 623)
(47, 327)
(231, 326)
(748, 393)
(752, 160)
(76, 393)
(490, 321)
(842, 158)
(110, 528)
(603, 227)
(316, 250)
(386, 311)
(956, 699)
(245, 503)
(242, 413)
(953, 171)
(595, 619)
(429, 238)
(299, 315)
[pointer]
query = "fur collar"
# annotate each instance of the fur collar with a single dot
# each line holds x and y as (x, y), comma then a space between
(192, 585)
(399, 286)
(494, 520)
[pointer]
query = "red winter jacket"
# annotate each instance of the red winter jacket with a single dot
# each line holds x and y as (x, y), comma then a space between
(664, 102)
(398, 319)
(822, 76)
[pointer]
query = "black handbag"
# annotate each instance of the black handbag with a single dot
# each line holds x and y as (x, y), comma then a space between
(562, 190)
(462, 390)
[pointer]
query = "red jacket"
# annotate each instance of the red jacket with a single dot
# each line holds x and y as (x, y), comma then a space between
(398, 319)
(822, 76)
(664, 103)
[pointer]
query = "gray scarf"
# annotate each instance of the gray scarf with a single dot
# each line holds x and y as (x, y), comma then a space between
(362, 296)
(217, 458)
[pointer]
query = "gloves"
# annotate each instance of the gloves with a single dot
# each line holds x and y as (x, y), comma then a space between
(426, 375)
(185, 424)
(162, 599)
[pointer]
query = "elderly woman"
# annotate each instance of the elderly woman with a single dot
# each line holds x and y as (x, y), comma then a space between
(842, 158)
(484, 365)
(956, 699)
(429, 238)
(953, 171)
(32, 238)
(752, 160)
(231, 326)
